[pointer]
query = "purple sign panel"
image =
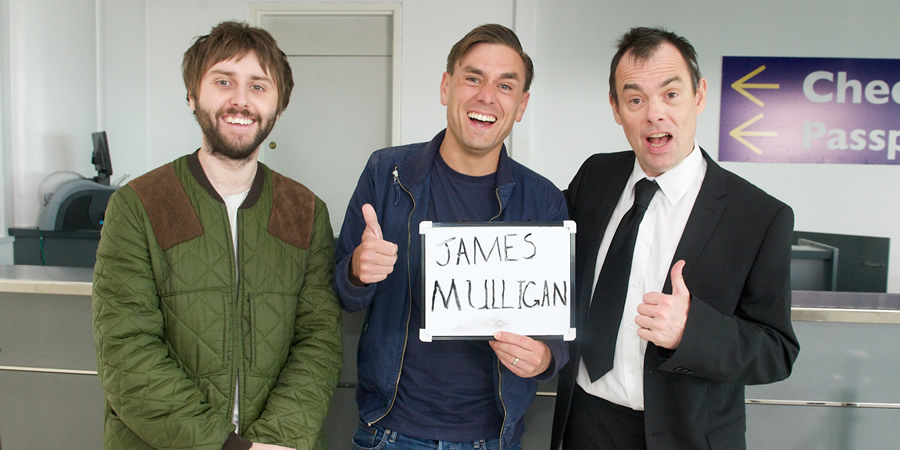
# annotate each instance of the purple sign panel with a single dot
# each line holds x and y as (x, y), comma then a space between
(810, 110)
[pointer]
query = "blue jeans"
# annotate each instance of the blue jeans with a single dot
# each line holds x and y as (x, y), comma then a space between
(375, 437)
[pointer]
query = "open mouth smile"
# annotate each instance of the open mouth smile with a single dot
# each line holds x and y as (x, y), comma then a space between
(238, 120)
(657, 140)
(483, 118)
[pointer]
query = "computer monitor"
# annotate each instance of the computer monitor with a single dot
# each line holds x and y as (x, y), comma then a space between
(100, 158)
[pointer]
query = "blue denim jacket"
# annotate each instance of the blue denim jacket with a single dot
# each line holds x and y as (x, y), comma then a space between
(397, 183)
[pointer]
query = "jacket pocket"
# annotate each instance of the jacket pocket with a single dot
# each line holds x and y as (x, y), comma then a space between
(730, 436)
(273, 320)
(195, 330)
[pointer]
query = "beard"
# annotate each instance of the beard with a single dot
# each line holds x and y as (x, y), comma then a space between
(237, 150)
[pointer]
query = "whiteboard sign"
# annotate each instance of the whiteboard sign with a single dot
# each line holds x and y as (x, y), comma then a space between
(480, 278)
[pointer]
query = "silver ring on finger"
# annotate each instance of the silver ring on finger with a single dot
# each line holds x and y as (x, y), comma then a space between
(515, 361)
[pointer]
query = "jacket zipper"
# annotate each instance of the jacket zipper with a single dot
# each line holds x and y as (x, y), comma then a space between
(499, 203)
(236, 323)
(499, 367)
(500, 394)
(396, 174)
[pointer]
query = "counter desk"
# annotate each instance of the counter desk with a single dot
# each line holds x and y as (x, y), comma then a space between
(49, 393)
(842, 394)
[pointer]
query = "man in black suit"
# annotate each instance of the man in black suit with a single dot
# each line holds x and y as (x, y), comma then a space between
(707, 300)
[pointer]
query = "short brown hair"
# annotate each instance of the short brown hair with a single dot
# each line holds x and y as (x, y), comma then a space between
(491, 34)
(642, 43)
(229, 40)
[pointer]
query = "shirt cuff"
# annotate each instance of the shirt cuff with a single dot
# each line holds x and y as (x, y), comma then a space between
(236, 442)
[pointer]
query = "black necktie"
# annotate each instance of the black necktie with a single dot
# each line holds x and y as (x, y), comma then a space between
(608, 301)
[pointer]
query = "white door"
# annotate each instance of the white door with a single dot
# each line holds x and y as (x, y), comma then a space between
(341, 107)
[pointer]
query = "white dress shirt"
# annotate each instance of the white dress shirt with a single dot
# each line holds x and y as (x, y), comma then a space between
(658, 237)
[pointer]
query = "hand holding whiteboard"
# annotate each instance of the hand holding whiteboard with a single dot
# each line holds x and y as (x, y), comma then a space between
(479, 278)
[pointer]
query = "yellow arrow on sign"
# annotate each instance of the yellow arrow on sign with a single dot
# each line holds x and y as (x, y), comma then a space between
(742, 87)
(739, 133)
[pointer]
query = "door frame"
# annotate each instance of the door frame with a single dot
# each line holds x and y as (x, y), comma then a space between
(258, 11)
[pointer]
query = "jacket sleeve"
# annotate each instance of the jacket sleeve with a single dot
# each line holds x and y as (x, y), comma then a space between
(143, 386)
(355, 298)
(296, 408)
(756, 344)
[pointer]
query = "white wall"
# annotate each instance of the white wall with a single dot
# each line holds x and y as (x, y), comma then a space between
(77, 66)
(6, 172)
(124, 76)
(52, 105)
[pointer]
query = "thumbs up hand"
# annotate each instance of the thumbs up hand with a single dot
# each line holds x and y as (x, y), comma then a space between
(373, 228)
(662, 317)
(374, 258)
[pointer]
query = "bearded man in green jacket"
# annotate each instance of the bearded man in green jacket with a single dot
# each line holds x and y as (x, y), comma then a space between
(215, 321)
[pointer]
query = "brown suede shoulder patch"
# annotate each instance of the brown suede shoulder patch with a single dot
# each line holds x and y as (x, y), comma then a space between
(293, 211)
(171, 213)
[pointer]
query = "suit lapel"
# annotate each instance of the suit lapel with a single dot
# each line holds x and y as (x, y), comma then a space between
(601, 193)
(702, 222)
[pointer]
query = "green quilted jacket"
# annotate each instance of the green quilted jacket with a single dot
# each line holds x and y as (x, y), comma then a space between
(176, 327)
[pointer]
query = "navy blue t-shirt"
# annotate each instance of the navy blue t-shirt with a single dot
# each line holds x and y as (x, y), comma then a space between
(446, 388)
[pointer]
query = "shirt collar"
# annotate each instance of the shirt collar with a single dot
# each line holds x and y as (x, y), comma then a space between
(414, 169)
(676, 182)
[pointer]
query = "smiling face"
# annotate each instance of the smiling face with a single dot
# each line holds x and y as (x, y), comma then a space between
(657, 107)
(484, 97)
(236, 108)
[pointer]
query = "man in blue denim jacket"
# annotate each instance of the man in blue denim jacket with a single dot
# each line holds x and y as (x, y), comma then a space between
(413, 394)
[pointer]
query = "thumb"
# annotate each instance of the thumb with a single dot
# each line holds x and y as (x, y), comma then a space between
(372, 225)
(678, 286)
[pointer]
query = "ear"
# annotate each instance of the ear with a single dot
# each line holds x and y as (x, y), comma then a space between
(522, 105)
(615, 108)
(701, 96)
(191, 103)
(445, 89)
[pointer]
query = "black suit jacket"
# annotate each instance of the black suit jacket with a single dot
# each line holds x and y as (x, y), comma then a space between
(737, 249)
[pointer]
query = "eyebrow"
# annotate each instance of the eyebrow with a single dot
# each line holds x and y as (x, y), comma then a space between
(503, 76)
(635, 87)
(229, 73)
